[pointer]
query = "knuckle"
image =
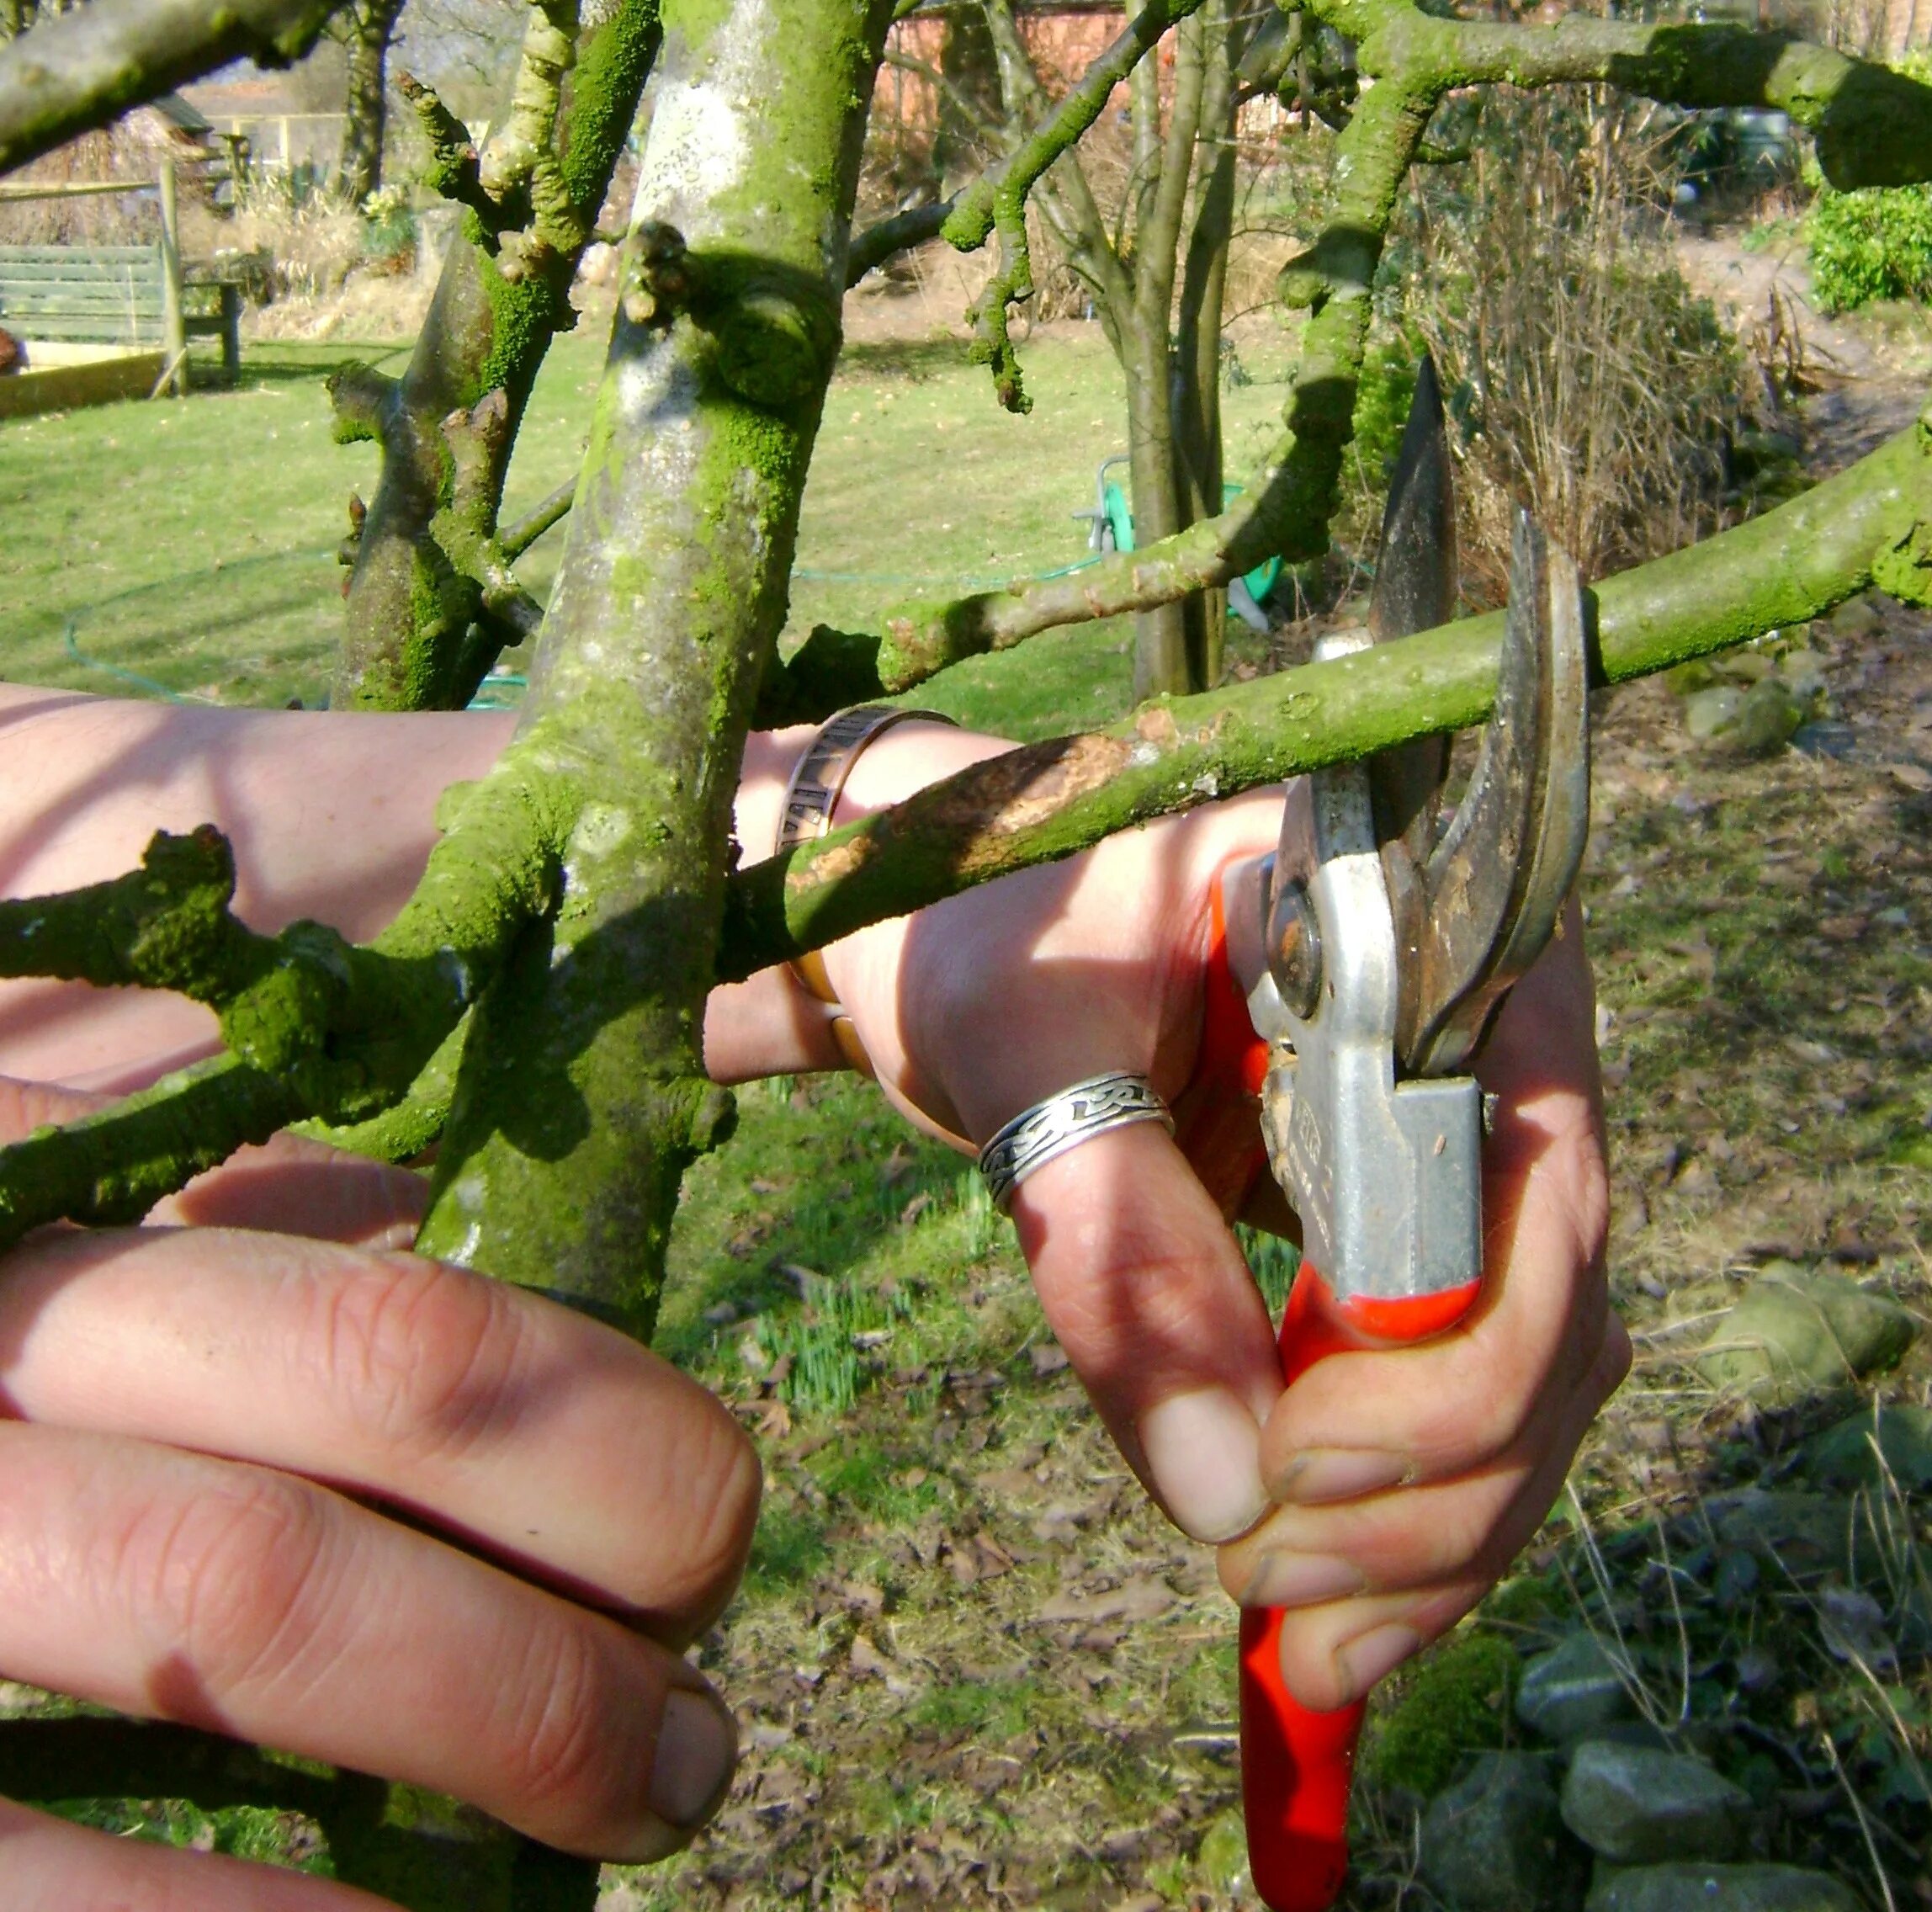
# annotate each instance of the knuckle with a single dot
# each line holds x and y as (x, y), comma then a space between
(569, 1758)
(225, 1578)
(422, 1355)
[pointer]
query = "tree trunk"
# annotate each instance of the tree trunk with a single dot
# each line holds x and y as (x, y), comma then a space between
(1197, 345)
(582, 1095)
(1168, 643)
(371, 24)
(1160, 635)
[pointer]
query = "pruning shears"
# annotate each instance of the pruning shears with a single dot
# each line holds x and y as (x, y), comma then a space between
(1385, 937)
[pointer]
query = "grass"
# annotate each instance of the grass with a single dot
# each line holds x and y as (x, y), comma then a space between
(191, 548)
(970, 1662)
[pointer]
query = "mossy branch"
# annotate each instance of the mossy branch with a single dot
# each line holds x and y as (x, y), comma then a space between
(888, 237)
(82, 68)
(453, 168)
(517, 538)
(1871, 524)
(363, 401)
(996, 202)
(314, 1026)
(504, 293)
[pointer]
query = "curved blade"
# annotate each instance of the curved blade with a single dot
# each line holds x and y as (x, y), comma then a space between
(1415, 589)
(1492, 889)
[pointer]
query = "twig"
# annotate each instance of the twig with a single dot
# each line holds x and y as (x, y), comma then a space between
(996, 202)
(527, 529)
(80, 69)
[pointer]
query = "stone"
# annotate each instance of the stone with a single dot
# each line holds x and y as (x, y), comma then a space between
(1766, 719)
(1804, 674)
(1845, 1455)
(1223, 1858)
(1793, 1336)
(1709, 711)
(1857, 617)
(1717, 1888)
(1637, 1806)
(1572, 1690)
(1834, 740)
(1496, 1840)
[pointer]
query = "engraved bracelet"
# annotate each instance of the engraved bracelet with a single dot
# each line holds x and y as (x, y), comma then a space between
(810, 797)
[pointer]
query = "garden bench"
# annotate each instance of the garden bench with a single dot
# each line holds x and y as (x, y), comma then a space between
(114, 295)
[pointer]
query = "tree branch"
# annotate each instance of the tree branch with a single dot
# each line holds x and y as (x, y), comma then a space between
(453, 171)
(527, 530)
(504, 292)
(315, 1026)
(1416, 57)
(997, 200)
(80, 69)
(882, 241)
(1872, 124)
(1871, 524)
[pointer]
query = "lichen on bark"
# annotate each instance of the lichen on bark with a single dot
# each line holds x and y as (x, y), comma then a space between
(581, 1095)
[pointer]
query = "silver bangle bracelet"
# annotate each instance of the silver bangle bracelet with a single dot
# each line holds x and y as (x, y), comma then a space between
(1035, 1135)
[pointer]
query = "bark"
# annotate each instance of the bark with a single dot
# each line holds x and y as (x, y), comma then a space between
(417, 632)
(79, 70)
(370, 25)
(581, 1095)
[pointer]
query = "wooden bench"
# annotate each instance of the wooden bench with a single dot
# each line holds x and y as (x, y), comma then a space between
(113, 295)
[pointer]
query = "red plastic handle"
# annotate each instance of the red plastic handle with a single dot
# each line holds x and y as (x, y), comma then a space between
(1297, 1766)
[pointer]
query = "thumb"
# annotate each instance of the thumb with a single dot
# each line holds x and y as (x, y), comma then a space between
(1148, 1292)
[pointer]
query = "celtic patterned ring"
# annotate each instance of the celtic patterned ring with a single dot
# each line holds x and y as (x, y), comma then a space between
(1035, 1135)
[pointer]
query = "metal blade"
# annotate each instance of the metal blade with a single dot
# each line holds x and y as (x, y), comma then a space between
(1490, 891)
(1415, 589)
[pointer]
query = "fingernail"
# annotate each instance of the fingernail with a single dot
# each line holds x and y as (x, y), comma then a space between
(1203, 1450)
(697, 1749)
(1338, 1473)
(1301, 1579)
(1371, 1656)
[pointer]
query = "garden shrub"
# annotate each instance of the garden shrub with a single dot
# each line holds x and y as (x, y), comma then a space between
(1870, 245)
(1584, 378)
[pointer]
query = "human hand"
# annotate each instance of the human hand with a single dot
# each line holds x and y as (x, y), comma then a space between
(207, 1434)
(1381, 1496)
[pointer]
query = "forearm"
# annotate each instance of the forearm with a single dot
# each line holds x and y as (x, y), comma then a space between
(333, 817)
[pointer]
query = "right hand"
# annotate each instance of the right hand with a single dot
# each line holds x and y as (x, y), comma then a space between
(202, 1431)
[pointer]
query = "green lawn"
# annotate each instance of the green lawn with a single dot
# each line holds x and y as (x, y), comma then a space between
(191, 548)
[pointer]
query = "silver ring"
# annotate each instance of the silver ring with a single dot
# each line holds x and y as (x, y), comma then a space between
(1035, 1135)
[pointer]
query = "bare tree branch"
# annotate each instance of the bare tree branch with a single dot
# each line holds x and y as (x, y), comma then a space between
(1415, 59)
(997, 200)
(1871, 524)
(871, 248)
(81, 69)
(527, 530)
